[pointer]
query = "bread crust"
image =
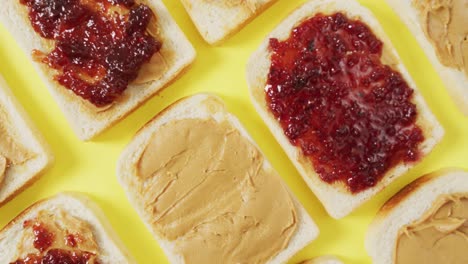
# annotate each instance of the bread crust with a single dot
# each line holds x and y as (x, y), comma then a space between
(86, 120)
(407, 191)
(336, 198)
(106, 238)
(229, 30)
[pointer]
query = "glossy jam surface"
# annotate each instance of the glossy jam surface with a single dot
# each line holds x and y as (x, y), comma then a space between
(351, 115)
(44, 239)
(57, 256)
(97, 51)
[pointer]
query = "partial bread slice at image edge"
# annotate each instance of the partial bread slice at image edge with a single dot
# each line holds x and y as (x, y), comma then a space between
(336, 198)
(456, 82)
(19, 177)
(189, 108)
(217, 22)
(78, 206)
(408, 206)
(86, 121)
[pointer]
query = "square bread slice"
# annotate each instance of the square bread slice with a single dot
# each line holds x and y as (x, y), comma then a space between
(336, 198)
(16, 174)
(71, 213)
(455, 80)
(87, 120)
(217, 20)
(210, 108)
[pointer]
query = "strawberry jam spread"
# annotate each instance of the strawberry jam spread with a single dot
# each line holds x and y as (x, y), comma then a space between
(98, 51)
(43, 240)
(351, 115)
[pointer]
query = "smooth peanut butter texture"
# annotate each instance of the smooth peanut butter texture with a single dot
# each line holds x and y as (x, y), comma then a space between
(445, 23)
(440, 236)
(208, 192)
(12, 152)
(60, 224)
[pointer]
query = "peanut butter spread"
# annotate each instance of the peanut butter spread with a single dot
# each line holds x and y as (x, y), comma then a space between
(445, 24)
(441, 236)
(67, 233)
(12, 152)
(208, 192)
(150, 71)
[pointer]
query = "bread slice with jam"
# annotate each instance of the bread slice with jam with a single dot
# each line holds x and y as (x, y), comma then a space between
(209, 198)
(334, 93)
(66, 228)
(100, 59)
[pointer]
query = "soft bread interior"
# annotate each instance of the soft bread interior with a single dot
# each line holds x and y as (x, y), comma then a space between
(83, 117)
(18, 177)
(218, 20)
(78, 206)
(406, 207)
(336, 199)
(189, 108)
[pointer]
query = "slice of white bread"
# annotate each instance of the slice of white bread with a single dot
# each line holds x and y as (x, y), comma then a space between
(323, 260)
(408, 206)
(78, 206)
(217, 20)
(85, 119)
(19, 177)
(336, 198)
(455, 80)
(194, 107)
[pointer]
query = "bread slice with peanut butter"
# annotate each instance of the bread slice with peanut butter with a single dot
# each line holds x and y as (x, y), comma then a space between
(440, 28)
(24, 154)
(217, 20)
(66, 228)
(425, 222)
(100, 59)
(206, 192)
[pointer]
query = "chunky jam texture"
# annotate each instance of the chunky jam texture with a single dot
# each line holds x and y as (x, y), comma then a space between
(98, 51)
(351, 115)
(43, 240)
(57, 256)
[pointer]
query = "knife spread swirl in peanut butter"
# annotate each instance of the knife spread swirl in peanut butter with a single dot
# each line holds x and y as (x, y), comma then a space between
(445, 24)
(211, 194)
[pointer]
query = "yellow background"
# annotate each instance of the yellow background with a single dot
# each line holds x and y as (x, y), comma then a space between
(90, 167)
